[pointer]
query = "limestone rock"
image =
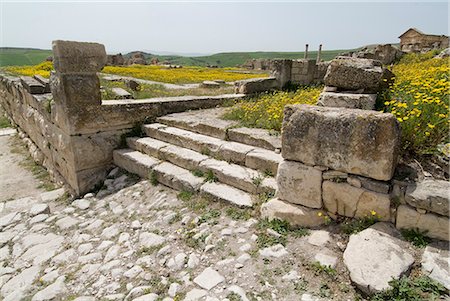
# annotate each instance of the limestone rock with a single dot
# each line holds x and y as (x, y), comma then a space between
(299, 184)
(347, 200)
(39, 209)
(208, 279)
(275, 251)
(436, 263)
(326, 259)
(375, 256)
(431, 195)
(21, 282)
(347, 100)
(296, 215)
(319, 238)
(52, 292)
(436, 226)
(148, 240)
(354, 74)
(70, 57)
(353, 141)
(256, 85)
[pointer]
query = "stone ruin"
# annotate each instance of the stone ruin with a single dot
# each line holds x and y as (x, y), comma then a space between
(385, 53)
(137, 58)
(115, 60)
(70, 131)
(340, 158)
(337, 159)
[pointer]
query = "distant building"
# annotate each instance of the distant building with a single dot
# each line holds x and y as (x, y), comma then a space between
(413, 40)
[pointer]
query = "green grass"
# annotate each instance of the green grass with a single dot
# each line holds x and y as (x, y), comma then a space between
(411, 289)
(26, 56)
(4, 122)
(22, 56)
(416, 237)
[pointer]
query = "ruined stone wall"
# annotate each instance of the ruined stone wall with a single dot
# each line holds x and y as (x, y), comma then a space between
(307, 72)
(74, 131)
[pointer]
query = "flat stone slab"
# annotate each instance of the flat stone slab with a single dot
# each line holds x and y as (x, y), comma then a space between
(296, 215)
(436, 263)
(206, 122)
(134, 162)
(121, 93)
(176, 177)
(209, 278)
(431, 195)
(359, 142)
(256, 85)
(375, 256)
(32, 85)
(8, 132)
(227, 194)
(347, 100)
(256, 137)
(146, 145)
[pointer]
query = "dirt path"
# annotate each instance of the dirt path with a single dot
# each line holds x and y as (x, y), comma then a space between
(15, 180)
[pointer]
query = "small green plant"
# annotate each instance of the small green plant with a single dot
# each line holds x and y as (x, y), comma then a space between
(353, 226)
(153, 178)
(323, 269)
(185, 195)
(210, 177)
(149, 250)
(265, 240)
(301, 286)
(4, 122)
(257, 181)
(411, 289)
(176, 218)
(324, 290)
(416, 237)
(268, 173)
(238, 213)
(198, 173)
(234, 297)
(208, 216)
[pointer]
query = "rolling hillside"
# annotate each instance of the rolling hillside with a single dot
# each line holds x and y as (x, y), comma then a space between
(27, 56)
(22, 56)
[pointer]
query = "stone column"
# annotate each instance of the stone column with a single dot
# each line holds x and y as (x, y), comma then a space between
(76, 94)
(306, 52)
(319, 53)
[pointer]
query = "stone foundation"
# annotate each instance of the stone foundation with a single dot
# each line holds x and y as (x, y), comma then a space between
(74, 132)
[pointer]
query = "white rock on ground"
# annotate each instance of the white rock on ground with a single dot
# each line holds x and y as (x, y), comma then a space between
(39, 209)
(208, 279)
(275, 251)
(52, 292)
(436, 263)
(375, 256)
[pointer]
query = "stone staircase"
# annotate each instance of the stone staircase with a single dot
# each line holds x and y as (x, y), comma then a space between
(207, 156)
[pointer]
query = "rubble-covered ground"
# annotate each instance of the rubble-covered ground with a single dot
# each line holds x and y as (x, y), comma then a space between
(136, 241)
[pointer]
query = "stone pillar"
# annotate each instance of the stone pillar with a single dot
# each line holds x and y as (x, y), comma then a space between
(76, 93)
(306, 52)
(281, 70)
(319, 53)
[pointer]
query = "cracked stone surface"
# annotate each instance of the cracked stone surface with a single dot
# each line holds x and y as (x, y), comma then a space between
(136, 241)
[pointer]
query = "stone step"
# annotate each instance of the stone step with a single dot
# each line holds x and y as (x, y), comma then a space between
(235, 175)
(209, 122)
(254, 157)
(225, 193)
(164, 172)
(179, 178)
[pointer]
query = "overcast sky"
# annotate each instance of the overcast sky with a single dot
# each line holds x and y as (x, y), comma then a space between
(205, 27)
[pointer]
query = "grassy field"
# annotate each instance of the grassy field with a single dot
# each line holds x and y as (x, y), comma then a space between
(22, 56)
(232, 59)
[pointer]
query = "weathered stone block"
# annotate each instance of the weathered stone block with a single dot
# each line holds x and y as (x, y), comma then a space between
(354, 141)
(44, 81)
(295, 215)
(436, 226)
(76, 90)
(32, 85)
(75, 57)
(347, 200)
(256, 85)
(349, 73)
(299, 184)
(281, 70)
(347, 100)
(431, 195)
